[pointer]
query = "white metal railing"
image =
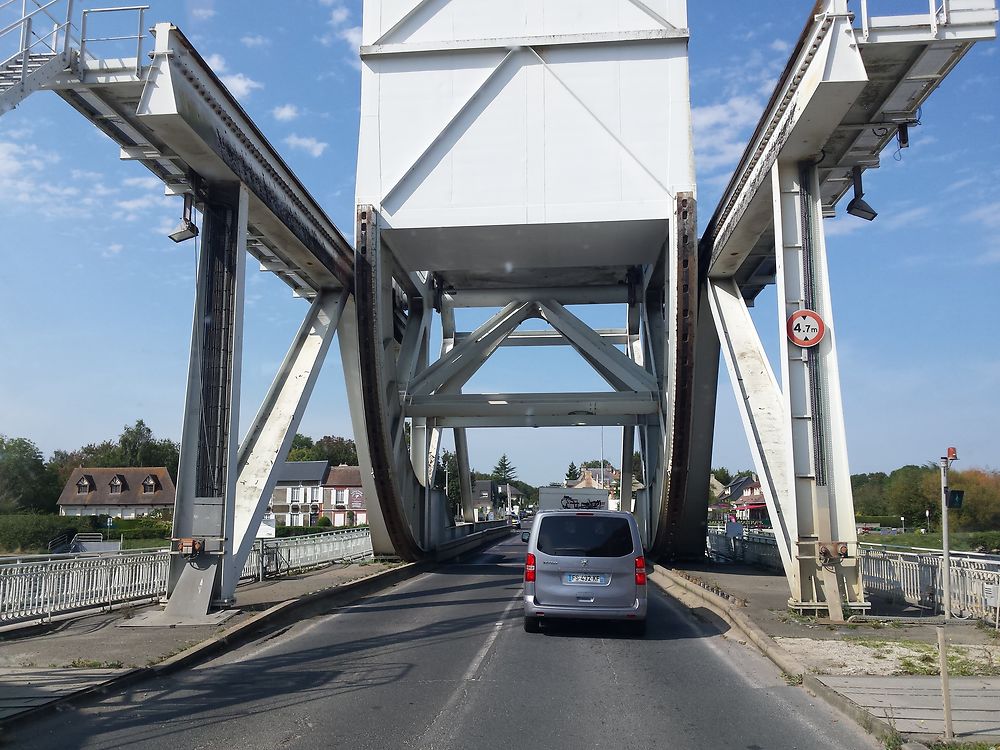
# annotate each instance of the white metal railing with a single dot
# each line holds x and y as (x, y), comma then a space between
(937, 15)
(912, 575)
(34, 587)
(34, 35)
(32, 590)
(275, 557)
(140, 34)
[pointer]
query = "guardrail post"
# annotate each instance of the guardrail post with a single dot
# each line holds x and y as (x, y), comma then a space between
(261, 566)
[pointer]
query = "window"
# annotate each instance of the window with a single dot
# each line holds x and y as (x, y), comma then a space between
(295, 509)
(116, 485)
(83, 486)
(149, 486)
(587, 536)
(316, 494)
(296, 494)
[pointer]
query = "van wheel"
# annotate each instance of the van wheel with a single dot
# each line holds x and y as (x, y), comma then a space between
(531, 625)
(636, 628)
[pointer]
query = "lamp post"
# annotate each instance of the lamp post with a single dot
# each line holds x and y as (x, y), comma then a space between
(902, 520)
(928, 512)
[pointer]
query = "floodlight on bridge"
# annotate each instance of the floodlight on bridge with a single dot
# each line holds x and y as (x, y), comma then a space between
(858, 207)
(186, 230)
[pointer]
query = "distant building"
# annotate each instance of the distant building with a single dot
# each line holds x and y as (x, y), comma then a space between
(344, 498)
(298, 494)
(308, 490)
(127, 492)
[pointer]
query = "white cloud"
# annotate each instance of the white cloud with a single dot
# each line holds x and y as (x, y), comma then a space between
(149, 182)
(351, 35)
(339, 15)
(960, 184)
(988, 215)
(239, 85)
(255, 40)
(843, 225)
(112, 250)
(216, 62)
(908, 218)
(780, 45)
(285, 112)
(203, 13)
(310, 145)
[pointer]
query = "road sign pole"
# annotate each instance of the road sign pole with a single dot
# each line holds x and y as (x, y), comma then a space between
(946, 557)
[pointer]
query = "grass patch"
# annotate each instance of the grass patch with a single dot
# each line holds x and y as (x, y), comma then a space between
(145, 543)
(95, 664)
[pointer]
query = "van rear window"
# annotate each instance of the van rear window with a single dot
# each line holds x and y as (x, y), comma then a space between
(588, 536)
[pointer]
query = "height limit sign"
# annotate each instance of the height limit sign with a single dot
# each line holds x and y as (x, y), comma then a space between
(805, 328)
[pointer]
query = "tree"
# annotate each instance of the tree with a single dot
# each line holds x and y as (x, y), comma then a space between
(136, 446)
(572, 473)
(504, 471)
(336, 450)
(303, 448)
(869, 493)
(723, 475)
(637, 468)
(26, 483)
(909, 491)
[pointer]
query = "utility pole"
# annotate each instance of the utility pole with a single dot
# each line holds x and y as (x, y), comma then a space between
(952, 455)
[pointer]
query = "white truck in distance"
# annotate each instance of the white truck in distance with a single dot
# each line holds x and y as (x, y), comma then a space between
(570, 498)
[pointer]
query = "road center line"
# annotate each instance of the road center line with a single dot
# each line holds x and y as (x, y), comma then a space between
(485, 649)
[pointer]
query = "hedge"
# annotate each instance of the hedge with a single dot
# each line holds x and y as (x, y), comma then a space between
(891, 522)
(31, 532)
(285, 531)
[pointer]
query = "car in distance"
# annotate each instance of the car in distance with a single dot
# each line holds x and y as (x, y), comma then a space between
(584, 565)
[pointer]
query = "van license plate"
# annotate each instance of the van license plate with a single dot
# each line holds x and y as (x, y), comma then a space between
(590, 578)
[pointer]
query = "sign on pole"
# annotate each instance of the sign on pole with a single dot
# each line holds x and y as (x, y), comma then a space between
(805, 328)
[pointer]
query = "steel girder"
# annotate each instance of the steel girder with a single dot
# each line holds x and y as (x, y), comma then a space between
(394, 385)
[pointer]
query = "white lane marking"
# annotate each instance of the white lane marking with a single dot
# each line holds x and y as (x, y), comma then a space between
(442, 732)
(490, 639)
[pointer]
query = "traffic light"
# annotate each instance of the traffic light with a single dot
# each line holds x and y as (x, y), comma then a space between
(955, 498)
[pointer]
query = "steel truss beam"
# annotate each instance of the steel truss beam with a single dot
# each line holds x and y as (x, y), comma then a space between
(265, 448)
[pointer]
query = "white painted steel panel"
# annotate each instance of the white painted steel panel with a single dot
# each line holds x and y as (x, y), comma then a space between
(529, 122)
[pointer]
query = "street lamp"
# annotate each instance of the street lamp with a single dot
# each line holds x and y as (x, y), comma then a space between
(902, 520)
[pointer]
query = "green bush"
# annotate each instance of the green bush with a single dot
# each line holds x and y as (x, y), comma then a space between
(324, 521)
(28, 533)
(286, 531)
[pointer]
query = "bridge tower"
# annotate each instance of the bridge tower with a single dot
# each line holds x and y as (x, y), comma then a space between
(530, 157)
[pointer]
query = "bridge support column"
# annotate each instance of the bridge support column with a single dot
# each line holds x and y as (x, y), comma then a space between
(206, 475)
(796, 430)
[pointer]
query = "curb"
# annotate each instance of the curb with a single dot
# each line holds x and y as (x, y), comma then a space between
(784, 661)
(731, 614)
(233, 636)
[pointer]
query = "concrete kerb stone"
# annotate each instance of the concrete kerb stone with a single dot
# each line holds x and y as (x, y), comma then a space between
(235, 635)
(665, 579)
(731, 614)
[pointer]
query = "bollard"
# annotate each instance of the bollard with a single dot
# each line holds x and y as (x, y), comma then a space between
(945, 692)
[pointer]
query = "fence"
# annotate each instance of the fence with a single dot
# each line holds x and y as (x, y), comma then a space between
(914, 576)
(38, 587)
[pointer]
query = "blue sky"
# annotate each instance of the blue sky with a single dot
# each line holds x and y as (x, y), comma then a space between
(95, 301)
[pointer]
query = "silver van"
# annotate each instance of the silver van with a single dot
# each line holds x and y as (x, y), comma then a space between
(584, 565)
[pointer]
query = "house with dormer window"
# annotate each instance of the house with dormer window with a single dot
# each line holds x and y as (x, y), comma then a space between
(127, 492)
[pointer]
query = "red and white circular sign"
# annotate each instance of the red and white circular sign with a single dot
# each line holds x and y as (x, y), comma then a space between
(805, 328)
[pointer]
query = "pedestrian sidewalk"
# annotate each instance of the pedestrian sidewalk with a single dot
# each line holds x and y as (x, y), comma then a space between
(44, 664)
(884, 672)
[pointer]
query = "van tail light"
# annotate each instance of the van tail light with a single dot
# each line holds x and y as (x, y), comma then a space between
(529, 568)
(640, 571)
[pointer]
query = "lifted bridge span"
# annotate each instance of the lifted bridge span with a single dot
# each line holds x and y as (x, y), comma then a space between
(494, 172)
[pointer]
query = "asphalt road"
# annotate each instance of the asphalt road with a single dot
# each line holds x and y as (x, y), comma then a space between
(442, 662)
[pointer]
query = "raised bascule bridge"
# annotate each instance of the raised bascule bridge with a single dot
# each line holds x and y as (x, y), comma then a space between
(528, 157)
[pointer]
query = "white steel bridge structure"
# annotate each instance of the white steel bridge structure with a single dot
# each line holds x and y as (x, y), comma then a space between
(529, 157)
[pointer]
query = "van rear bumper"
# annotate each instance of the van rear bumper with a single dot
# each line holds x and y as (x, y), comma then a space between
(636, 612)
